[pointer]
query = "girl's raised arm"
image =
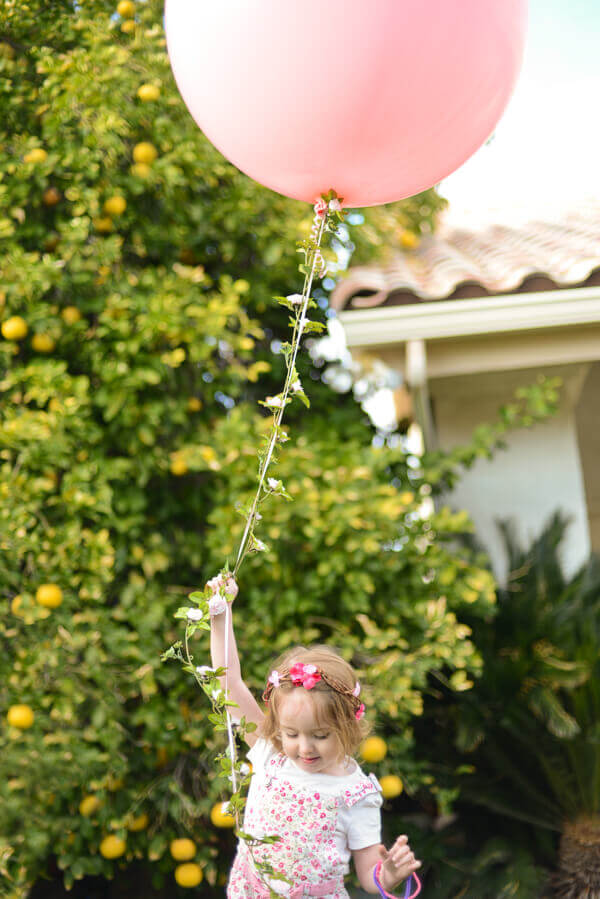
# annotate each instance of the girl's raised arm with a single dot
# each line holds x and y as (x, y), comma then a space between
(237, 690)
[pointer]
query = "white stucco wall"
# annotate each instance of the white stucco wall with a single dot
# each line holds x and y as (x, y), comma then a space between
(539, 471)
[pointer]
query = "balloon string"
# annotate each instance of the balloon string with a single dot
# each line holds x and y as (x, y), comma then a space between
(320, 220)
(228, 624)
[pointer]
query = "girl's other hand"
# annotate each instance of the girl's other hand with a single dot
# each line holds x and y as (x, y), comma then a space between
(398, 864)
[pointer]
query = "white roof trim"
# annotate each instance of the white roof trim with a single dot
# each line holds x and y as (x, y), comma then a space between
(486, 315)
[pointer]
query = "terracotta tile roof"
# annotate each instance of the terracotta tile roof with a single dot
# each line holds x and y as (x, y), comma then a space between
(455, 263)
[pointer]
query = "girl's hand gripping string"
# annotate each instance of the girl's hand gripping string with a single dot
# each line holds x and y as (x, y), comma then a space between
(397, 865)
(221, 584)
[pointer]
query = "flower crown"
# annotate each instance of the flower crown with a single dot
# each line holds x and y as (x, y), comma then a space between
(309, 675)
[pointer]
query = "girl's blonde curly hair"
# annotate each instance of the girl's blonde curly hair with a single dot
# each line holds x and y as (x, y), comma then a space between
(334, 710)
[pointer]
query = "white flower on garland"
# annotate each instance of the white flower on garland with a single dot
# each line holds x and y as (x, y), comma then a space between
(204, 670)
(217, 605)
(195, 614)
(295, 298)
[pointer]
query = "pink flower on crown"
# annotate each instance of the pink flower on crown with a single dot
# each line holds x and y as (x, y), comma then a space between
(360, 712)
(274, 678)
(321, 207)
(356, 691)
(307, 675)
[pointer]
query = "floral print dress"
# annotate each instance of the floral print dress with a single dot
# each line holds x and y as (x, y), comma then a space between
(305, 818)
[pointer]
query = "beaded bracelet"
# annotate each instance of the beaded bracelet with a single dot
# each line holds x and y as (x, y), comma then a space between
(407, 891)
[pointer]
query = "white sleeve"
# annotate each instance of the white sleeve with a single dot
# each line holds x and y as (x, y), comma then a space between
(260, 754)
(363, 822)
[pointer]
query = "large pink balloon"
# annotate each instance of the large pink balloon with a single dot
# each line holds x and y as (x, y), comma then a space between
(378, 99)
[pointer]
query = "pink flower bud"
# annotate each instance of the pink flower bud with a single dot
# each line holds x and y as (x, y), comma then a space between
(321, 207)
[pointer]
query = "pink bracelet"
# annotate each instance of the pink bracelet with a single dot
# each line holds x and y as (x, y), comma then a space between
(407, 894)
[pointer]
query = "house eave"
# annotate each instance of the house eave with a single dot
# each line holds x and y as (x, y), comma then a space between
(542, 310)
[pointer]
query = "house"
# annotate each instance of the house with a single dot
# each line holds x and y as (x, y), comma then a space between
(466, 318)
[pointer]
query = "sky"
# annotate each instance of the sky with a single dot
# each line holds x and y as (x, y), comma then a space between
(544, 157)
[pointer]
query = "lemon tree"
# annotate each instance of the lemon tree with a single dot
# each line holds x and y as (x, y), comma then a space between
(136, 325)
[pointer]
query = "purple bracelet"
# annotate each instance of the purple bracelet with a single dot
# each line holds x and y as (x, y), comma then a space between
(407, 890)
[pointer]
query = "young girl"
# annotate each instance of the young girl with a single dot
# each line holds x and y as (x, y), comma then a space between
(305, 786)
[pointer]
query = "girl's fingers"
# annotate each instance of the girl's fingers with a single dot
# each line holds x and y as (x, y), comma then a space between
(400, 855)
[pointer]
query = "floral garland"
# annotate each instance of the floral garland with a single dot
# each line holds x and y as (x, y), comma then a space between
(221, 590)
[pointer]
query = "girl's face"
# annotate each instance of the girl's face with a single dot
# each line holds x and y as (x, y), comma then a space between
(310, 745)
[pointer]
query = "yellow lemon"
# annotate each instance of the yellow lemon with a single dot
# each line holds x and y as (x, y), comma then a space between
(161, 757)
(178, 466)
(114, 783)
(43, 343)
(409, 240)
(128, 27)
(20, 716)
(144, 152)
(115, 205)
(103, 224)
(6, 50)
(51, 197)
(14, 328)
(15, 605)
(112, 846)
(36, 155)
(141, 169)
(139, 823)
(88, 805)
(49, 595)
(374, 749)
(391, 786)
(208, 453)
(70, 315)
(189, 875)
(182, 850)
(126, 9)
(219, 817)
(147, 92)
(194, 404)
